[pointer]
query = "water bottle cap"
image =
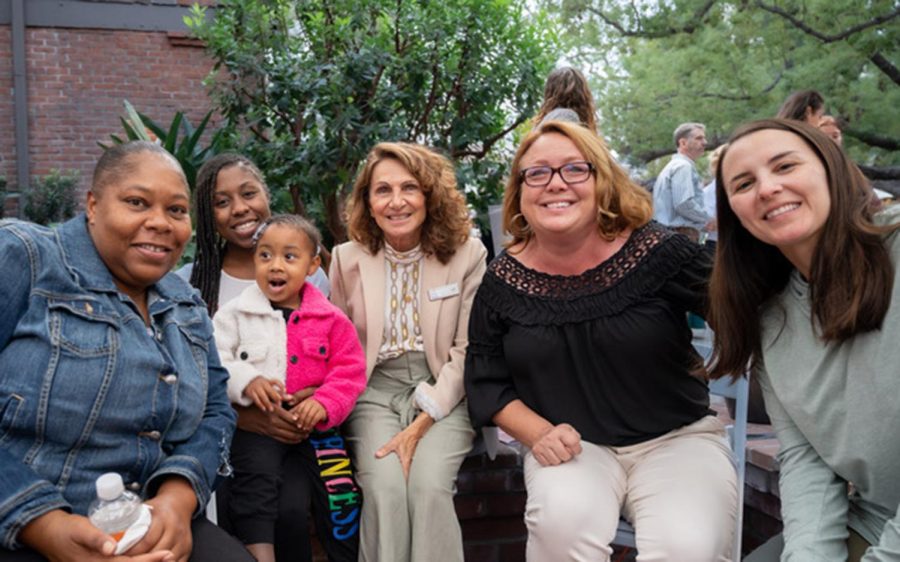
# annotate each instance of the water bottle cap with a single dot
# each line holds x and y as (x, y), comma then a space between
(110, 486)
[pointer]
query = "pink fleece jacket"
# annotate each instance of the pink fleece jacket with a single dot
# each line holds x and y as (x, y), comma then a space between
(323, 350)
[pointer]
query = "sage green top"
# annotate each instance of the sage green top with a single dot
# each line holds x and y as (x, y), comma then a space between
(836, 411)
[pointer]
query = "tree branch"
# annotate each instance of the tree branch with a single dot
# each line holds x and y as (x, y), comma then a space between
(651, 155)
(881, 172)
(886, 66)
(873, 139)
(728, 97)
(654, 153)
(487, 144)
(799, 24)
(422, 125)
(689, 27)
(877, 59)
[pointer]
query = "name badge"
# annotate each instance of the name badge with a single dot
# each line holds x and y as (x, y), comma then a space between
(443, 292)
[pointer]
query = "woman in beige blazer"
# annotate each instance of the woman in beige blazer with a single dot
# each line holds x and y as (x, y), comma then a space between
(407, 281)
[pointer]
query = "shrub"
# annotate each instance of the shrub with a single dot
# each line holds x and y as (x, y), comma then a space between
(52, 198)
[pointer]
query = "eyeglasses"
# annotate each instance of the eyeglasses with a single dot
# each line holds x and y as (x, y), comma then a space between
(541, 176)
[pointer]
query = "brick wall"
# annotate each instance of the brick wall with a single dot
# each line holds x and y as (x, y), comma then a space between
(7, 140)
(77, 79)
(490, 504)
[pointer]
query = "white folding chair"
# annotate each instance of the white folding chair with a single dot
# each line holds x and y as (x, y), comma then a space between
(739, 390)
(211, 509)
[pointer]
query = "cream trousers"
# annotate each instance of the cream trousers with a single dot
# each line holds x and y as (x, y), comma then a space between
(679, 491)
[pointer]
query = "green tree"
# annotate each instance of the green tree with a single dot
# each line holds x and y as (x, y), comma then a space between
(722, 62)
(312, 85)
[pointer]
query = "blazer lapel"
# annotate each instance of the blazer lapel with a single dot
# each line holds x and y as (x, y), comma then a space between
(434, 276)
(371, 273)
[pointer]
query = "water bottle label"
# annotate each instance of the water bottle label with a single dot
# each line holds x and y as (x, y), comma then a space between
(130, 536)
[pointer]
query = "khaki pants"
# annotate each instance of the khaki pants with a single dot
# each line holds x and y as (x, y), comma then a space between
(407, 520)
(770, 551)
(678, 490)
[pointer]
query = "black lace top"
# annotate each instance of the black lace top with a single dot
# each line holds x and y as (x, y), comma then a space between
(608, 351)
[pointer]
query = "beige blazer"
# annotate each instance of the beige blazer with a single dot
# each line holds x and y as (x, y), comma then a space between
(358, 288)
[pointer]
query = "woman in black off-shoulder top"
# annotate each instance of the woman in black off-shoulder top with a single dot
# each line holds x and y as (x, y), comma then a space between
(579, 348)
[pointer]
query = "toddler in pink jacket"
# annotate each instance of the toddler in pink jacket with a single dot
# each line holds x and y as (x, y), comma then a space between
(285, 346)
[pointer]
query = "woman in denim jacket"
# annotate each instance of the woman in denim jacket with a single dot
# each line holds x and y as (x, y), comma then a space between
(107, 364)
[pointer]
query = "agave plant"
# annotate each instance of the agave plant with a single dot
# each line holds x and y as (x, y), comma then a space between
(181, 139)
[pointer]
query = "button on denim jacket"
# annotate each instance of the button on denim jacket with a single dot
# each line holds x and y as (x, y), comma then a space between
(86, 387)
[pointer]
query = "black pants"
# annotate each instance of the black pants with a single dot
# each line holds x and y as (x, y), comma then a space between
(266, 475)
(211, 544)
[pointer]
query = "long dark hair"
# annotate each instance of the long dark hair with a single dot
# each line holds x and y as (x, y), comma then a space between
(566, 87)
(210, 247)
(796, 104)
(851, 274)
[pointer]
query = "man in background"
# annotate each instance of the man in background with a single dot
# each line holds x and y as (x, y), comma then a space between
(678, 191)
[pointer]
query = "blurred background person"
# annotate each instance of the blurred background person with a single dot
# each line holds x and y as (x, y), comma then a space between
(806, 105)
(678, 192)
(828, 124)
(567, 88)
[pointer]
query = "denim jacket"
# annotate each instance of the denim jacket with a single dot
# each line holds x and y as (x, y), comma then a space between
(86, 387)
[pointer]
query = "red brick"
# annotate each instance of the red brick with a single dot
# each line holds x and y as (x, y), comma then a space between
(495, 529)
(512, 551)
(77, 81)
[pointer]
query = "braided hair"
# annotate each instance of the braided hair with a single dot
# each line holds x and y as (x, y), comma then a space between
(210, 251)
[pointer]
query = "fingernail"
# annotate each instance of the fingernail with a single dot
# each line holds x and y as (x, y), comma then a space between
(108, 547)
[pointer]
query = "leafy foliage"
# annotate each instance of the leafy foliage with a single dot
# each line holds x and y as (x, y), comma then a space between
(180, 138)
(722, 62)
(52, 199)
(314, 85)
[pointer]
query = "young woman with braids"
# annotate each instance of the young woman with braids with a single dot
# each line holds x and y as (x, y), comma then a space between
(804, 290)
(231, 200)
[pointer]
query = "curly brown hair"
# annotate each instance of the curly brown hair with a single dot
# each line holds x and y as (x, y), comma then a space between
(621, 203)
(447, 223)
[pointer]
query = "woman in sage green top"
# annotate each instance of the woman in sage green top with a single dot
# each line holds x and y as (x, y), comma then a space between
(811, 274)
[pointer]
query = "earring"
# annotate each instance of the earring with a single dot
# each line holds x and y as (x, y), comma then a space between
(526, 228)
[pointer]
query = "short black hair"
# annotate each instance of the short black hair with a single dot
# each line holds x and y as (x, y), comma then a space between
(117, 161)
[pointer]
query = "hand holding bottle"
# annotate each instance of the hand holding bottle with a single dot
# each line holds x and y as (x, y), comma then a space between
(173, 506)
(118, 512)
(65, 537)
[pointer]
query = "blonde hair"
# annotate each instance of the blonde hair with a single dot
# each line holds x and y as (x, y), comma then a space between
(714, 159)
(447, 223)
(621, 203)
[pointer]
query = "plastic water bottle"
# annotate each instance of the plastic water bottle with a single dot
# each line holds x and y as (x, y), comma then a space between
(115, 509)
